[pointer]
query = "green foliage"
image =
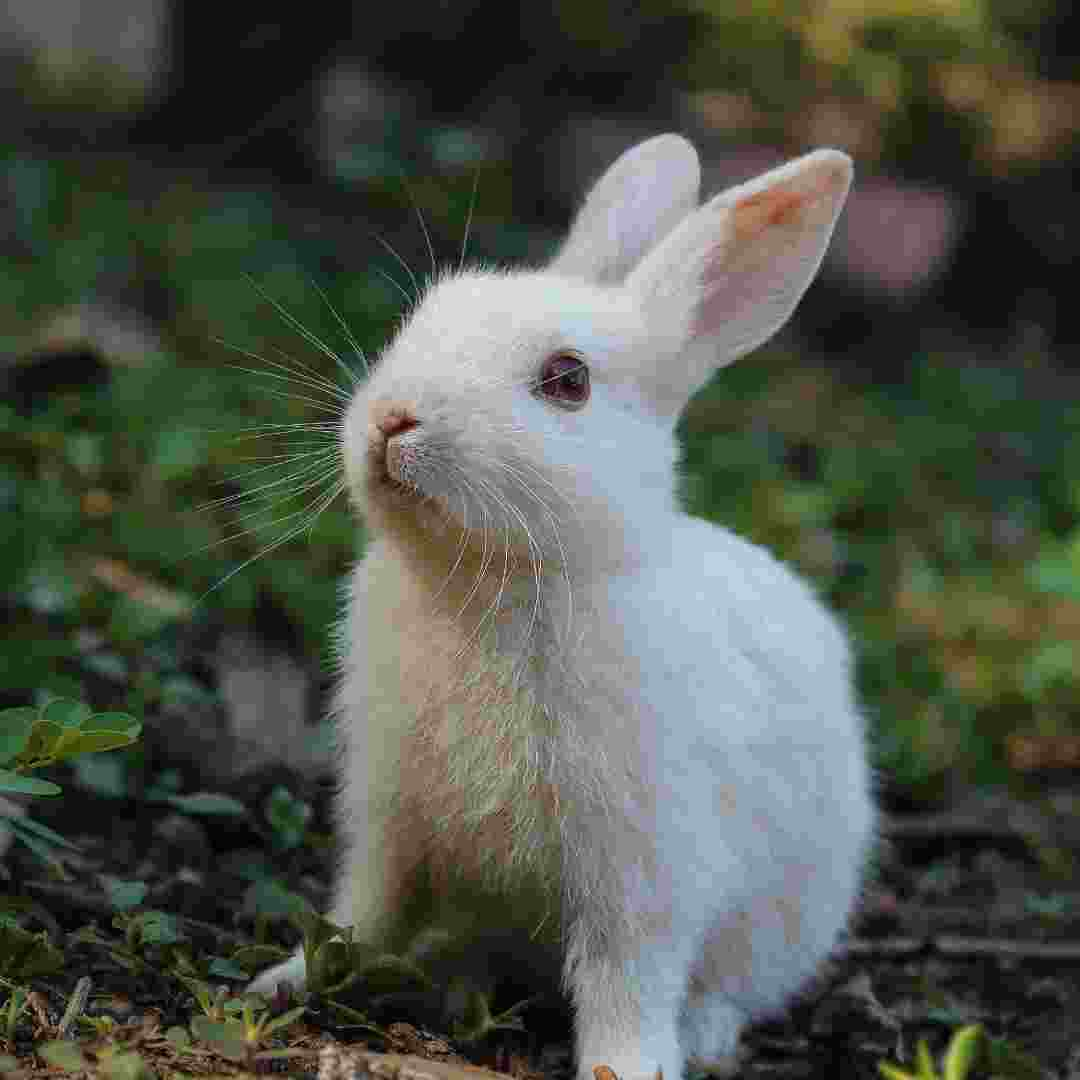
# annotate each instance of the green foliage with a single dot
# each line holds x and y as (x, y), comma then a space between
(112, 1060)
(238, 1027)
(124, 894)
(333, 961)
(288, 817)
(476, 1021)
(957, 1063)
(13, 1007)
(951, 80)
(969, 1047)
(119, 520)
(36, 738)
(24, 955)
(959, 645)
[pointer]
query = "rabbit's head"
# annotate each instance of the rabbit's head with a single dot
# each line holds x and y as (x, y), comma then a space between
(526, 417)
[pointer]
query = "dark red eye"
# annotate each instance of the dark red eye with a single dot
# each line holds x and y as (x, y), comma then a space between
(564, 380)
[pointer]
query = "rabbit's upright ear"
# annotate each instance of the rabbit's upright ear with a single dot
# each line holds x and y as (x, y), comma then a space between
(637, 202)
(729, 276)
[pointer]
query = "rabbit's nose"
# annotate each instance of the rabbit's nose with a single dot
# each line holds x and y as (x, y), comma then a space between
(400, 454)
(395, 422)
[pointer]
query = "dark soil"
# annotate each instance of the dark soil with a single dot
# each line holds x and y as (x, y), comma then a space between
(973, 917)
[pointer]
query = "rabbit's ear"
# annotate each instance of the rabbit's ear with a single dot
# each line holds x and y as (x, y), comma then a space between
(729, 276)
(637, 202)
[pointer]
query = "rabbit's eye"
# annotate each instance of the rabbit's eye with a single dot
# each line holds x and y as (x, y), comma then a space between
(564, 380)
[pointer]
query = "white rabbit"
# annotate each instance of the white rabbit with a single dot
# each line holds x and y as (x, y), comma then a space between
(567, 706)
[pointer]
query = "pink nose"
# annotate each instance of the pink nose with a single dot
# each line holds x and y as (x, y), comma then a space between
(395, 423)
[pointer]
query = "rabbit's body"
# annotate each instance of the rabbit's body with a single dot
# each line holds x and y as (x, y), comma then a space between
(567, 707)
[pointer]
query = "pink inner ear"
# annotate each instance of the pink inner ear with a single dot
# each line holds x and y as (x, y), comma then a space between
(761, 264)
(757, 212)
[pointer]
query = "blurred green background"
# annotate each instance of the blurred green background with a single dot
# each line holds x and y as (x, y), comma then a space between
(175, 176)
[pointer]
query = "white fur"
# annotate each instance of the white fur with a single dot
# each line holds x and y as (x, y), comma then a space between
(633, 730)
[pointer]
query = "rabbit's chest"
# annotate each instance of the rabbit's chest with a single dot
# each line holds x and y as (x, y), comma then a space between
(475, 776)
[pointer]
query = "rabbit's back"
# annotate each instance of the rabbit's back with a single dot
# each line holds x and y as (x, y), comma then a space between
(743, 686)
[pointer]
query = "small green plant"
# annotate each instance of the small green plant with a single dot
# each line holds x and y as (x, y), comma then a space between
(33, 738)
(959, 1057)
(476, 1020)
(236, 1028)
(13, 1007)
(288, 817)
(152, 940)
(24, 955)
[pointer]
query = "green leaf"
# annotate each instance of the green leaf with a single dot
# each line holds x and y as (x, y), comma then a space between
(272, 899)
(43, 738)
(332, 967)
(124, 894)
(288, 817)
(125, 1065)
(108, 665)
(317, 929)
(119, 722)
(15, 728)
(22, 825)
(924, 1062)
(66, 712)
(106, 776)
(208, 802)
(24, 955)
(961, 1052)
(250, 958)
(160, 928)
(1055, 573)
(26, 785)
(226, 969)
(179, 451)
(8, 1063)
(85, 451)
(226, 1037)
(73, 743)
(390, 972)
(179, 1037)
(63, 746)
(63, 1053)
(892, 1072)
(284, 1019)
(46, 853)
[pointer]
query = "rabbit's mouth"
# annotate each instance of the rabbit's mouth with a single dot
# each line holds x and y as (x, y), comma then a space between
(392, 452)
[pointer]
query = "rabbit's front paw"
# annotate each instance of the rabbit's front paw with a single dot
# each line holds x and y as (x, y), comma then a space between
(626, 1061)
(291, 972)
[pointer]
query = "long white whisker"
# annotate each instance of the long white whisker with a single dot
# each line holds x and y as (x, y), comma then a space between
(315, 481)
(468, 219)
(321, 457)
(564, 563)
(273, 546)
(292, 321)
(328, 428)
(410, 300)
(485, 560)
(354, 344)
(534, 548)
(462, 547)
(338, 397)
(423, 226)
(302, 512)
(334, 409)
(291, 365)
